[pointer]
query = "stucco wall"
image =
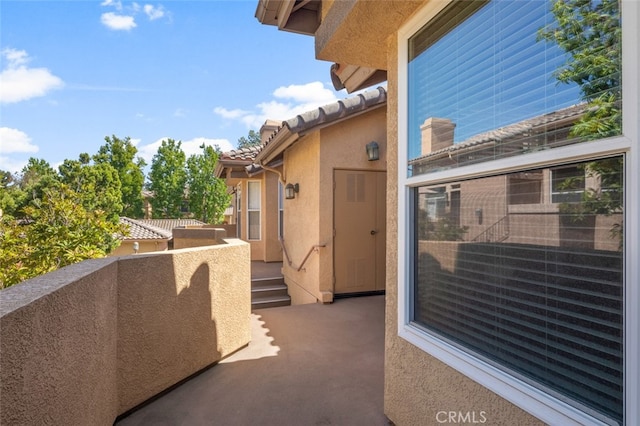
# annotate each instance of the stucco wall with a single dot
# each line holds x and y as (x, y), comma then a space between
(301, 230)
(126, 247)
(197, 237)
(86, 343)
(58, 340)
(417, 385)
(272, 249)
(182, 311)
(343, 147)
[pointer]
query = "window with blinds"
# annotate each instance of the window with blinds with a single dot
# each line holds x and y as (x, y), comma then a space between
(485, 83)
(253, 210)
(537, 288)
(516, 263)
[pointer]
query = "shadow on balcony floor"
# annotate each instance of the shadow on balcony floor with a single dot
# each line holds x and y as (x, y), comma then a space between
(306, 365)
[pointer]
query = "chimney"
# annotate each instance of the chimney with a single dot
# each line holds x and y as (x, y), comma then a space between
(437, 133)
(268, 128)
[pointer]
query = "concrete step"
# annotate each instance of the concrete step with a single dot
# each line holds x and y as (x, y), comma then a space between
(262, 292)
(266, 282)
(270, 302)
(269, 293)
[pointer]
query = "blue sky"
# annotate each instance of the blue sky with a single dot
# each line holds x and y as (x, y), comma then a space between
(73, 72)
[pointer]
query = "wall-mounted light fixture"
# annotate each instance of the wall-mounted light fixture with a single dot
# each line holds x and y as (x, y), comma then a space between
(290, 191)
(373, 151)
(136, 246)
(479, 216)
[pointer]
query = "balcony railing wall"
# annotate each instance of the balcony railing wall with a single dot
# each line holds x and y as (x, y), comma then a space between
(91, 341)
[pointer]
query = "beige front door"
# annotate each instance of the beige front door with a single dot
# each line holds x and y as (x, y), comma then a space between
(359, 231)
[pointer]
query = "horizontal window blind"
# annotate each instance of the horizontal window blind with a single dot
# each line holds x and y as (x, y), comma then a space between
(485, 67)
(538, 292)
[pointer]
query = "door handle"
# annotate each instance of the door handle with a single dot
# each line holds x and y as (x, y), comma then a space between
(374, 232)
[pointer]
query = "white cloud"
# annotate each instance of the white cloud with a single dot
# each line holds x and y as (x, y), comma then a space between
(19, 82)
(301, 98)
(153, 12)
(11, 165)
(115, 3)
(118, 22)
(231, 114)
(189, 147)
(180, 112)
(14, 140)
(192, 146)
(124, 19)
(310, 93)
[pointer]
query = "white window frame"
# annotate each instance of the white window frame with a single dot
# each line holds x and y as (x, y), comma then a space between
(239, 220)
(559, 193)
(250, 210)
(531, 399)
(280, 210)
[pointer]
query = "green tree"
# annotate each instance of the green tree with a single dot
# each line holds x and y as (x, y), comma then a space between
(10, 193)
(252, 139)
(208, 197)
(167, 180)
(589, 32)
(121, 155)
(97, 185)
(36, 176)
(55, 231)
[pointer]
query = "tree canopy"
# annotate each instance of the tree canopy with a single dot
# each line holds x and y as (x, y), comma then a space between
(167, 180)
(54, 231)
(97, 185)
(590, 34)
(121, 155)
(208, 197)
(252, 139)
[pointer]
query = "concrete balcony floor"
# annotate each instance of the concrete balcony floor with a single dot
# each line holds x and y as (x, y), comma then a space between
(306, 365)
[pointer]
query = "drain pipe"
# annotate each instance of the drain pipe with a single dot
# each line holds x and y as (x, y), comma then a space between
(280, 176)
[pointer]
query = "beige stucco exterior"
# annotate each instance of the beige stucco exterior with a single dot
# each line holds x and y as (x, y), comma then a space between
(417, 386)
(86, 343)
(144, 246)
(309, 217)
(267, 247)
(197, 237)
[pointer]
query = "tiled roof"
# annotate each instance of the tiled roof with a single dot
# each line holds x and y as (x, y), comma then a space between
(337, 110)
(143, 231)
(523, 128)
(246, 154)
(169, 224)
(154, 229)
(323, 116)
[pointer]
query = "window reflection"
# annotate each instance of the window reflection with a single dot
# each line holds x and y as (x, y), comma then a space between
(526, 269)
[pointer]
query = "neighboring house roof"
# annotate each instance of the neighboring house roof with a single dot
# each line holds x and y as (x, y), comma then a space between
(143, 231)
(291, 130)
(236, 159)
(248, 153)
(169, 224)
(154, 229)
(557, 119)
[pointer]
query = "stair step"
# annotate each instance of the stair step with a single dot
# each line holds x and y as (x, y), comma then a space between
(269, 291)
(271, 302)
(266, 282)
